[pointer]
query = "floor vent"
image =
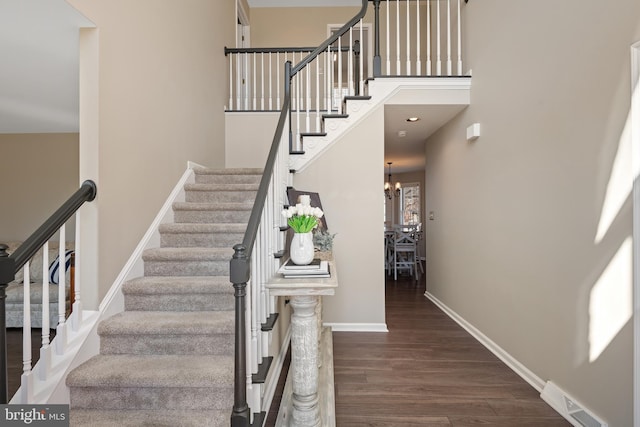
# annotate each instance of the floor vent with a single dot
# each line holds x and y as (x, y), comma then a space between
(566, 406)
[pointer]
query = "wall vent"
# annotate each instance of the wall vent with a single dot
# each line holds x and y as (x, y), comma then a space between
(574, 412)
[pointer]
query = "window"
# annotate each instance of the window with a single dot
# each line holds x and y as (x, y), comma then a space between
(410, 204)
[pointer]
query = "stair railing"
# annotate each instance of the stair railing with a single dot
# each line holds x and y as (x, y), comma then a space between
(254, 261)
(10, 265)
(425, 32)
(416, 38)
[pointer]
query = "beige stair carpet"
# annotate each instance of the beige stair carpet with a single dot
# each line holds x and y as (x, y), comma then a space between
(167, 360)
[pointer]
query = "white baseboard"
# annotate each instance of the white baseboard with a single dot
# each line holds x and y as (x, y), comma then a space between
(357, 327)
(517, 367)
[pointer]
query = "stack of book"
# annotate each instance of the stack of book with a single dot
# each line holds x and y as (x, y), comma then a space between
(316, 270)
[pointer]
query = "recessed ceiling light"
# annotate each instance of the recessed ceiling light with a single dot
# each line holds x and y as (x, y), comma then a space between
(402, 133)
(413, 119)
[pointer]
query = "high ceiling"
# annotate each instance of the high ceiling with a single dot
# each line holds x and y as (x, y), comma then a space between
(39, 72)
(39, 77)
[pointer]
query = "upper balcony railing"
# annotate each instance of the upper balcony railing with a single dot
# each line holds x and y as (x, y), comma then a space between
(396, 38)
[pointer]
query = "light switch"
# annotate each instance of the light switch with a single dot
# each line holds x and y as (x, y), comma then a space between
(432, 216)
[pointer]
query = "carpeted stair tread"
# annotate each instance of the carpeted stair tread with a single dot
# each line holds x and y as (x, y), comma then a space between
(149, 418)
(168, 323)
(229, 171)
(197, 234)
(197, 206)
(167, 360)
(159, 285)
(221, 187)
(194, 228)
(170, 371)
(187, 254)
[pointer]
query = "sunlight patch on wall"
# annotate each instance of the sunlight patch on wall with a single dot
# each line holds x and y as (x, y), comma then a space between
(620, 182)
(611, 300)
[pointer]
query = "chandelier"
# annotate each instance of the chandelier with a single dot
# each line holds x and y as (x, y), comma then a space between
(388, 185)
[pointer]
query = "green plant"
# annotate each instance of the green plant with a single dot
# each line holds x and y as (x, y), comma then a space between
(323, 240)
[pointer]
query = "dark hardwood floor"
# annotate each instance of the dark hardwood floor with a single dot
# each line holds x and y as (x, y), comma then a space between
(428, 371)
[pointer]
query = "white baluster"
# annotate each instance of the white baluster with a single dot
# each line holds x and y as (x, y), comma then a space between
(297, 141)
(388, 41)
(61, 330)
(317, 61)
(307, 70)
(278, 77)
(438, 59)
(255, 306)
(76, 317)
(253, 396)
(261, 81)
(230, 81)
(448, 37)
(428, 37)
(408, 32)
(398, 70)
(362, 59)
(418, 55)
(339, 71)
(331, 80)
(45, 290)
(26, 378)
(255, 87)
(245, 82)
(350, 62)
(459, 42)
(327, 81)
(270, 84)
(45, 350)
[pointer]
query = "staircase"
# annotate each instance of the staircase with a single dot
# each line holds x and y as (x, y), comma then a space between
(167, 360)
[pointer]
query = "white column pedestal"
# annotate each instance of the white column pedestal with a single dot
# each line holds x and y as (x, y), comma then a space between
(303, 405)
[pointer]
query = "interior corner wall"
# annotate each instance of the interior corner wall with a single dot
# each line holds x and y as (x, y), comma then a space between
(349, 179)
(530, 242)
(161, 89)
(295, 26)
(40, 172)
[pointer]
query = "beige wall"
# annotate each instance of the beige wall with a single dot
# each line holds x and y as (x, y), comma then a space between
(40, 171)
(295, 26)
(160, 88)
(349, 178)
(520, 207)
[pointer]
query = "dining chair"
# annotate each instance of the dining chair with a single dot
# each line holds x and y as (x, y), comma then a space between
(404, 252)
(389, 238)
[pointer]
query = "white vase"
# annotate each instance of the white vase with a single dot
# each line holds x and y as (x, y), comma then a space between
(301, 250)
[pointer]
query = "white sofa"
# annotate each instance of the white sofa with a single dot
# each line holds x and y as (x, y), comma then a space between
(15, 290)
